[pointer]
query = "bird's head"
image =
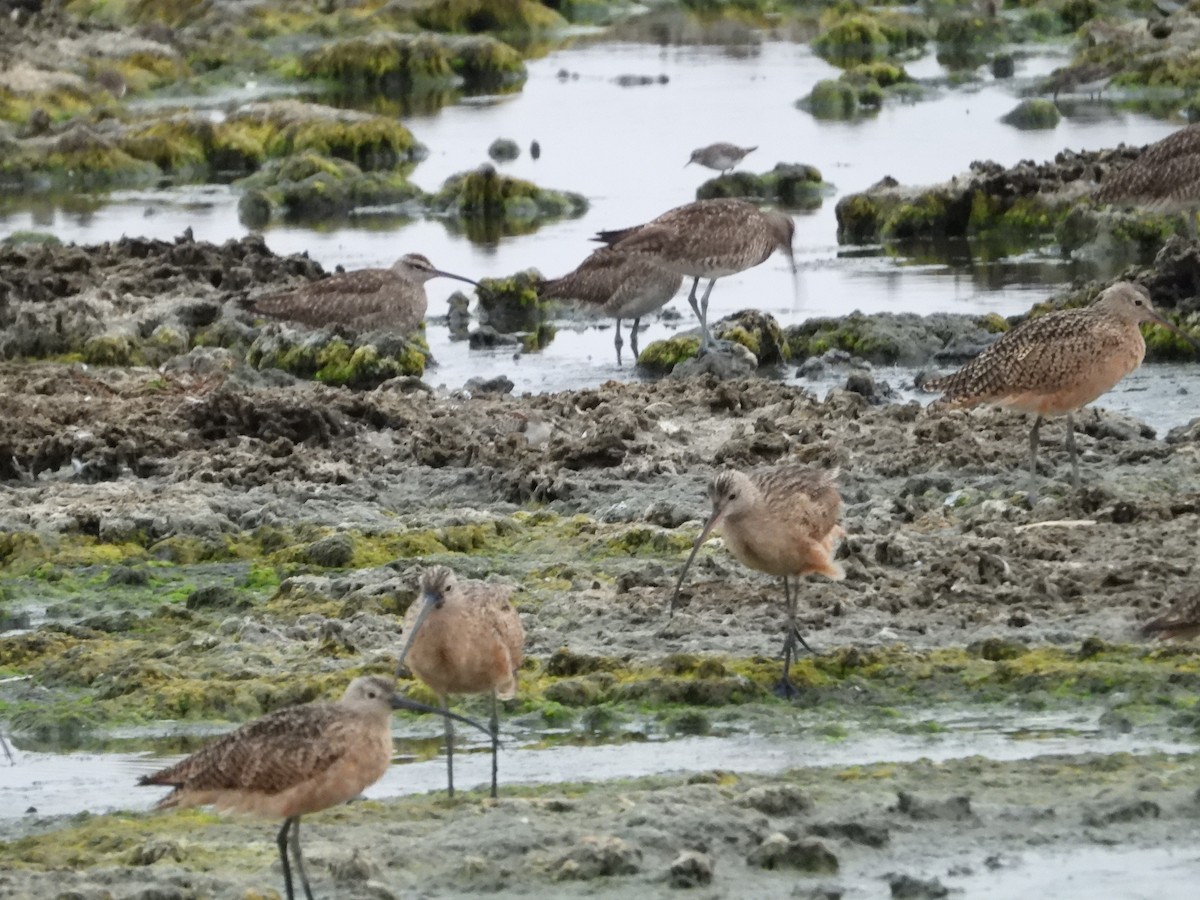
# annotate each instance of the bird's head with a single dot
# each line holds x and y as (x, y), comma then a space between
(1131, 303)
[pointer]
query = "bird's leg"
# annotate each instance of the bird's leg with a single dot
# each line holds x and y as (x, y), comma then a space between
(633, 339)
(1033, 447)
(282, 841)
(299, 858)
(617, 342)
(695, 305)
(1071, 449)
(705, 338)
(7, 752)
(784, 687)
(495, 724)
(449, 749)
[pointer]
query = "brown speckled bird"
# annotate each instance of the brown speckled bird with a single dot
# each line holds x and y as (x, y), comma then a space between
(781, 520)
(708, 239)
(621, 285)
(1054, 364)
(721, 157)
(464, 637)
(1181, 622)
(1166, 172)
(294, 761)
(392, 298)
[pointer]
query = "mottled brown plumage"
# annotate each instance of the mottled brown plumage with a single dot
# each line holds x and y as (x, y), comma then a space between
(1166, 172)
(293, 761)
(1181, 622)
(1054, 364)
(616, 284)
(392, 298)
(1089, 79)
(708, 239)
(721, 156)
(781, 520)
(464, 637)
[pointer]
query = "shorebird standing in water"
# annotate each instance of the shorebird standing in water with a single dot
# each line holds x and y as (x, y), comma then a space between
(392, 298)
(1055, 364)
(781, 520)
(722, 157)
(295, 761)
(708, 239)
(617, 284)
(464, 637)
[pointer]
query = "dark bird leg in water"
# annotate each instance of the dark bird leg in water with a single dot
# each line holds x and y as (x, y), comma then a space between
(784, 688)
(449, 751)
(633, 333)
(495, 723)
(299, 858)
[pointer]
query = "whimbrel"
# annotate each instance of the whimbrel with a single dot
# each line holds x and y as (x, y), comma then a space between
(722, 157)
(1180, 622)
(464, 637)
(294, 761)
(781, 520)
(392, 298)
(617, 284)
(1055, 364)
(708, 239)
(1165, 173)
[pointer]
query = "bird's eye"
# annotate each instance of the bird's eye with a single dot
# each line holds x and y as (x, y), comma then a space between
(1138, 302)
(733, 496)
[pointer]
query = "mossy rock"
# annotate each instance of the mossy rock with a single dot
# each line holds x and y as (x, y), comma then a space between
(486, 63)
(892, 213)
(363, 362)
(78, 158)
(1033, 113)
(510, 204)
(178, 144)
(758, 332)
(478, 16)
(832, 98)
(852, 40)
(512, 304)
(793, 185)
(661, 357)
(884, 74)
(311, 187)
(39, 238)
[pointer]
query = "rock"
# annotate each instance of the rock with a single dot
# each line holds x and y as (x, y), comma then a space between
(333, 552)
(355, 868)
(459, 317)
(535, 150)
(1033, 113)
(863, 383)
(500, 384)
(776, 800)
(812, 368)
(758, 332)
(725, 361)
(691, 869)
(951, 809)
(905, 887)
(792, 185)
(1122, 812)
(216, 596)
(876, 836)
(1184, 434)
(488, 205)
(513, 304)
(149, 853)
(598, 857)
(1003, 65)
(485, 337)
(779, 851)
(504, 150)
(127, 576)
(832, 99)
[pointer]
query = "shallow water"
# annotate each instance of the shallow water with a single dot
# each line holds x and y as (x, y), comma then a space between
(625, 148)
(68, 783)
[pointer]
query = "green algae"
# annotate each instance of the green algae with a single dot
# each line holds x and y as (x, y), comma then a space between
(1033, 113)
(791, 185)
(491, 16)
(832, 99)
(488, 202)
(662, 356)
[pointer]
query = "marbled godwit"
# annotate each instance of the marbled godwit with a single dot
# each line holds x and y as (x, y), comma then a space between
(391, 298)
(294, 761)
(464, 637)
(781, 520)
(708, 239)
(722, 157)
(621, 285)
(1167, 172)
(1181, 622)
(1055, 364)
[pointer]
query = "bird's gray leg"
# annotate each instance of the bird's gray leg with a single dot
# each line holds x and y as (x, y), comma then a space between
(705, 338)
(617, 342)
(449, 749)
(1071, 449)
(282, 841)
(495, 725)
(7, 752)
(299, 857)
(633, 338)
(1033, 447)
(695, 305)
(784, 687)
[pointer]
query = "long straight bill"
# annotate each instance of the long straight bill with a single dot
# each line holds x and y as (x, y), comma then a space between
(428, 602)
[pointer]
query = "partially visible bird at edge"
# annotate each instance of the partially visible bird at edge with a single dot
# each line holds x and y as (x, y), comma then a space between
(1054, 364)
(1181, 622)
(781, 520)
(295, 761)
(392, 298)
(464, 637)
(708, 239)
(617, 284)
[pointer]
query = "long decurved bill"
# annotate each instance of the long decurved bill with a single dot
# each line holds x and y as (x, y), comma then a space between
(1171, 326)
(704, 532)
(428, 604)
(457, 277)
(399, 702)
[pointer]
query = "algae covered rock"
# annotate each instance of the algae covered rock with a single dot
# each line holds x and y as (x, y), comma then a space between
(506, 16)
(488, 204)
(758, 332)
(512, 304)
(504, 149)
(831, 98)
(80, 157)
(792, 185)
(1033, 113)
(359, 361)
